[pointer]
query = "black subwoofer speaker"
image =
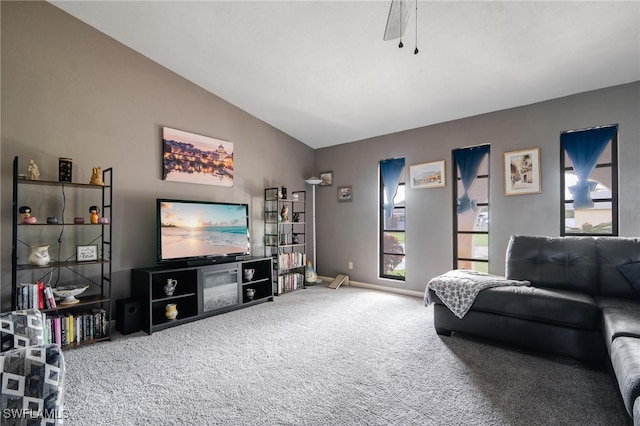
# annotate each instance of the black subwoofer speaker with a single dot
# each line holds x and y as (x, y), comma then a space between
(127, 316)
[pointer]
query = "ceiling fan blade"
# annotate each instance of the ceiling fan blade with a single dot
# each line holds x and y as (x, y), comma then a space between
(398, 18)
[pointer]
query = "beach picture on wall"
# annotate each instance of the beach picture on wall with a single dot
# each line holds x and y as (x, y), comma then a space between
(192, 158)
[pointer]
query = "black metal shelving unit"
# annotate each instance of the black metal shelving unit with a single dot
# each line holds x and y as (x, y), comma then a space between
(97, 298)
(285, 241)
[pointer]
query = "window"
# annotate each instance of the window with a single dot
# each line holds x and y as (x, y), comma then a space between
(392, 219)
(471, 209)
(589, 181)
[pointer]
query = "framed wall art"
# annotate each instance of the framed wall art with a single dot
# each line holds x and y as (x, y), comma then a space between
(345, 193)
(326, 178)
(428, 175)
(191, 158)
(87, 253)
(522, 172)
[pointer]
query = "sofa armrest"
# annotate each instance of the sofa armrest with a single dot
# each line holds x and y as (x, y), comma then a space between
(32, 383)
(625, 359)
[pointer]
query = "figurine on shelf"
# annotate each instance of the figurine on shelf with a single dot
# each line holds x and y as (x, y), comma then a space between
(284, 213)
(94, 210)
(96, 176)
(296, 217)
(25, 211)
(39, 255)
(33, 172)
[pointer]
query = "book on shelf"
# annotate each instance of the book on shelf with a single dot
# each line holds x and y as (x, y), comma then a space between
(35, 296)
(50, 301)
(45, 328)
(291, 260)
(101, 323)
(76, 327)
(57, 333)
(290, 282)
(40, 288)
(31, 296)
(63, 330)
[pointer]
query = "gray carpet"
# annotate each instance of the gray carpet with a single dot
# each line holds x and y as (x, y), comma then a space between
(350, 356)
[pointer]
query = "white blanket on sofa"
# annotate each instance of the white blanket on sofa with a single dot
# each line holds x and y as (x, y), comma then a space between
(458, 288)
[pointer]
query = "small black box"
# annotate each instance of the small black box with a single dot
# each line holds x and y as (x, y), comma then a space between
(127, 316)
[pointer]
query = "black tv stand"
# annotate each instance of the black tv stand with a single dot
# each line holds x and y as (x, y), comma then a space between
(215, 260)
(202, 290)
(202, 262)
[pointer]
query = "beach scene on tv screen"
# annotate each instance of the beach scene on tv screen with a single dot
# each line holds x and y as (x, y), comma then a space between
(195, 230)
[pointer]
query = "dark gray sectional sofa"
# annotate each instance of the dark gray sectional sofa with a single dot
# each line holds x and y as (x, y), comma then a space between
(583, 302)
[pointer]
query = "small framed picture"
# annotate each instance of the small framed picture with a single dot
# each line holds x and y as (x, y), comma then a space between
(428, 175)
(87, 253)
(345, 193)
(326, 178)
(522, 172)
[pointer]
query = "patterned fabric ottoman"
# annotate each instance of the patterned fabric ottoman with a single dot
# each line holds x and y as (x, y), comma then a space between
(31, 373)
(20, 329)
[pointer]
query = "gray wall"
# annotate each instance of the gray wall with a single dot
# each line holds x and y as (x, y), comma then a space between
(69, 90)
(348, 231)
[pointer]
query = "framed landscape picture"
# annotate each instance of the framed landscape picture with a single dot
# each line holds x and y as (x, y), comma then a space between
(191, 158)
(428, 175)
(522, 172)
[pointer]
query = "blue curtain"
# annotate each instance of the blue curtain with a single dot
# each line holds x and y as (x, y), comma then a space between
(391, 170)
(584, 149)
(468, 161)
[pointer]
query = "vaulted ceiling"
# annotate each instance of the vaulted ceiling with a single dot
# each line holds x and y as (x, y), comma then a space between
(321, 72)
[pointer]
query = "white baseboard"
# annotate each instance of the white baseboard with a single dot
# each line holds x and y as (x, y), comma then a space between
(379, 287)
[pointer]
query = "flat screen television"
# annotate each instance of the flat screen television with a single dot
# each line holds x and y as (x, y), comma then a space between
(201, 232)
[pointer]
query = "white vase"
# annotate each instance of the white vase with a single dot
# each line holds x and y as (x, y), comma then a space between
(39, 255)
(310, 275)
(170, 287)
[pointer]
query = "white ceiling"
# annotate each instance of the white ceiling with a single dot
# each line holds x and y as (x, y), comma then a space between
(320, 71)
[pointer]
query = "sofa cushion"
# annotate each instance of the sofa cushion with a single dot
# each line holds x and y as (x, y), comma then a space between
(569, 263)
(631, 272)
(558, 307)
(620, 322)
(614, 252)
(625, 358)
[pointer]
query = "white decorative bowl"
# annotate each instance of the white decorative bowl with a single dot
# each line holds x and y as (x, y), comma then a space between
(69, 293)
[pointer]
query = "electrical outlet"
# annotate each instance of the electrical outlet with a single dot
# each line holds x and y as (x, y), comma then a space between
(350, 265)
